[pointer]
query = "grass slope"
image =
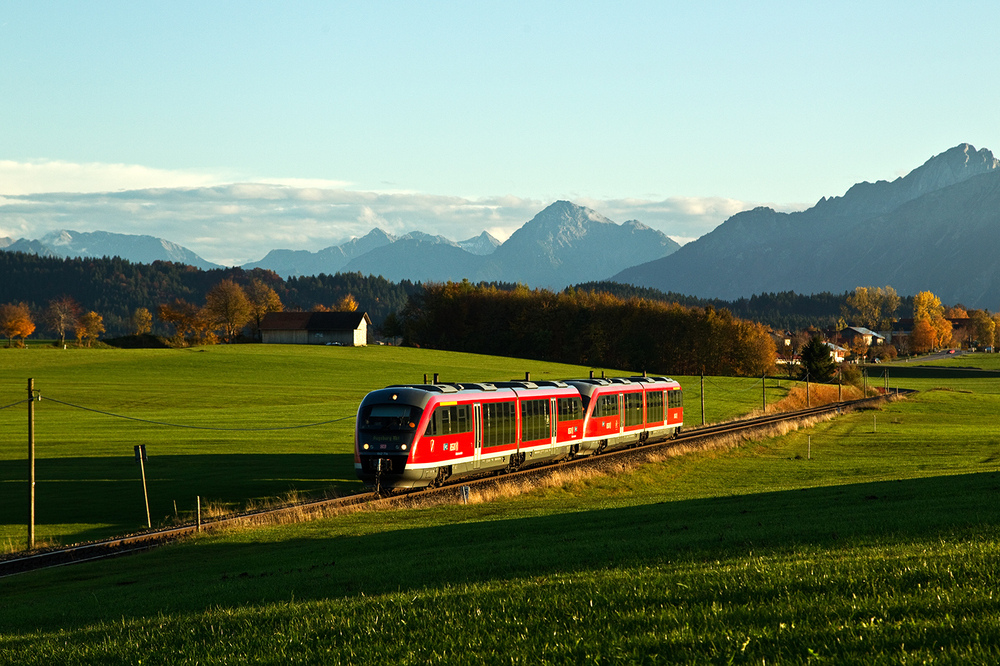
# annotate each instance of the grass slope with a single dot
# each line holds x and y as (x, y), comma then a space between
(234, 440)
(879, 547)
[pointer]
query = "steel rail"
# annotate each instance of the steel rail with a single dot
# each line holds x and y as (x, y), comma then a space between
(141, 541)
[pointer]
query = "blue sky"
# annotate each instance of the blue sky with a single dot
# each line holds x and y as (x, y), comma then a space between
(628, 107)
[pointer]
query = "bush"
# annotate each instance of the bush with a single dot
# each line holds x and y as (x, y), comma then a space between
(851, 374)
(143, 341)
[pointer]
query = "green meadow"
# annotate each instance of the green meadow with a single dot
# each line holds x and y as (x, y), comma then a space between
(867, 539)
(233, 425)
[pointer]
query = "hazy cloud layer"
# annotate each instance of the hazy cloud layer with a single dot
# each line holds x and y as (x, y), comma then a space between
(232, 224)
(59, 176)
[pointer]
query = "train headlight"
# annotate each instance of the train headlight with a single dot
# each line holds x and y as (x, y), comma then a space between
(404, 447)
(365, 447)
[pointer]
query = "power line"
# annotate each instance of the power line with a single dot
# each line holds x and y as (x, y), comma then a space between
(753, 387)
(193, 427)
(14, 404)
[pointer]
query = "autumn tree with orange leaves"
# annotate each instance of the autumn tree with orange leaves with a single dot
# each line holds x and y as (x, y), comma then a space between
(88, 328)
(16, 322)
(227, 305)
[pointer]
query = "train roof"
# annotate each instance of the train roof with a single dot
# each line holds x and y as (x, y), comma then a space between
(421, 394)
(439, 388)
(596, 384)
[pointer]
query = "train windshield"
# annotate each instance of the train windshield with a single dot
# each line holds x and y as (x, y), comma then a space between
(394, 417)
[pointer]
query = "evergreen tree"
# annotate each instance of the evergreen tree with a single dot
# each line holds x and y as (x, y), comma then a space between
(817, 364)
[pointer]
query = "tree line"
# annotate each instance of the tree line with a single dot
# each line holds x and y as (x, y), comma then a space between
(87, 298)
(583, 327)
(116, 289)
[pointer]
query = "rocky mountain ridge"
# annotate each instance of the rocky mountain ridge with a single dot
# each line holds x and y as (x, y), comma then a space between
(924, 231)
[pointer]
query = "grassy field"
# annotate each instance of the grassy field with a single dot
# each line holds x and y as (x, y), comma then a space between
(868, 539)
(233, 438)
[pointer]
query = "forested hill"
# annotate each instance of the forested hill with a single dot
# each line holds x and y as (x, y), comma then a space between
(114, 287)
(784, 310)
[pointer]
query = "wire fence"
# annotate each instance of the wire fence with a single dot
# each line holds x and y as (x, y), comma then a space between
(194, 427)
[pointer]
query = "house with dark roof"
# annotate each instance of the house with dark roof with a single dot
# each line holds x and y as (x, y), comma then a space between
(349, 329)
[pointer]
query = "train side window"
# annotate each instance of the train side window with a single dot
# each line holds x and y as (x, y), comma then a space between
(607, 405)
(449, 420)
(570, 409)
(535, 420)
(499, 424)
(654, 407)
(675, 399)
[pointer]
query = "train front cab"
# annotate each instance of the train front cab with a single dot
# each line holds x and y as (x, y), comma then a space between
(385, 434)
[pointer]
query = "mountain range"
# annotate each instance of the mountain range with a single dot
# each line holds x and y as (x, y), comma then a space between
(563, 244)
(336, 258)
(138, 249)
(934, 229)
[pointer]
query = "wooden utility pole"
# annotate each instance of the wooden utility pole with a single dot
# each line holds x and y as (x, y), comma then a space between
(31, 461)
(140, 457)
(703, 396)
(763, 391)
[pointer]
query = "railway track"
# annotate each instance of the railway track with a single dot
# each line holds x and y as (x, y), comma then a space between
(146, 540)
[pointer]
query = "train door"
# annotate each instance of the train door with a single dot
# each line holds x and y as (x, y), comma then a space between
(553, 421)
(621, 413)
(477, 436)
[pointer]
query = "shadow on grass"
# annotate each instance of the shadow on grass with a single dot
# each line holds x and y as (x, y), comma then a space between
(109, 490)
(231, 573)
(903, 371)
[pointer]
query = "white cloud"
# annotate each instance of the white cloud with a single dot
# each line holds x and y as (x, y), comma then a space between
(58, 176)
(308, 185)
(235, 223)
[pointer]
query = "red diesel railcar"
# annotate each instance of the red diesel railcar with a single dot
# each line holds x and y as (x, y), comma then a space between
(420, 435)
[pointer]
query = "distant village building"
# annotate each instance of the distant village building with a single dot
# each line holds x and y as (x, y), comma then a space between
(349, 329)
(852, 333)
(837, 353)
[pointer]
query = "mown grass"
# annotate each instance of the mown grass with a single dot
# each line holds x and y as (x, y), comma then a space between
(879, 547)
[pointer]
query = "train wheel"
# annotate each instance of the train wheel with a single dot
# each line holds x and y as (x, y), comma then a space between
(516, 459)
(442, 475)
